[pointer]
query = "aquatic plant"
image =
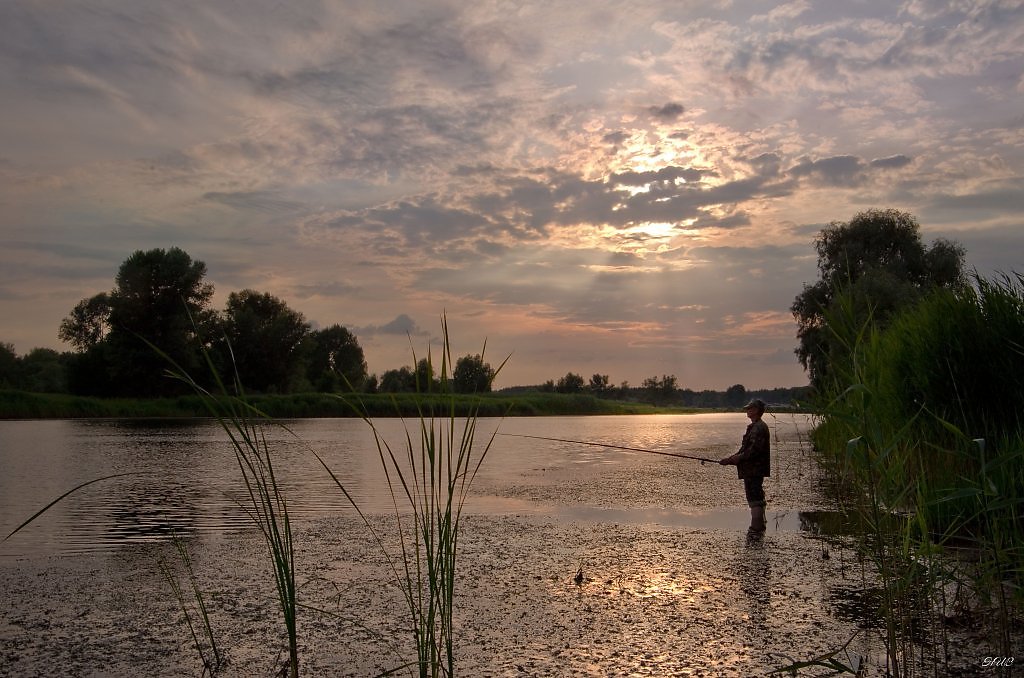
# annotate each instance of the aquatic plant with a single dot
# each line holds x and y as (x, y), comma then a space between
(933, 457)
(429, 474)
(212, 662)
(267, 506)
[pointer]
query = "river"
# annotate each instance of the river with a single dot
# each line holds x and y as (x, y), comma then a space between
(181, 476)
(671, 583)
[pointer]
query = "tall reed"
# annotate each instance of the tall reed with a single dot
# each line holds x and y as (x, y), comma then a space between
(267, 506)
(429, 475)
(917, 425)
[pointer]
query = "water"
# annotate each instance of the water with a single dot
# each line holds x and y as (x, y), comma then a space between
(181, 476)
(672, 584)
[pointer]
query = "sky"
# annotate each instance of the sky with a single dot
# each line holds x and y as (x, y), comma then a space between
(627, 188)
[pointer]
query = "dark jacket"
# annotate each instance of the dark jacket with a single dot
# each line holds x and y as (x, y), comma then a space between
(754, 458)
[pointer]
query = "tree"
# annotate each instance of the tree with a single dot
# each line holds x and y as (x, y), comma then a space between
(874, 265)
(736, 395)
(472, 375)
(266, 340)
(401, 380)
(159, 299)
(10, 376)
(43, 370)
(599, 383)
(88, 322)
(335, 360)
(570, 383)
(425, 381)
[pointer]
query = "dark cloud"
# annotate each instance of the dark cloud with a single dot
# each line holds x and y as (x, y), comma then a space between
(667, 113)
(665, 174)
(331, 289)
(401, 325)
(839, 170)
(892, 162)
(527, 206)
(615, 138)
(1001, 198)
(257, 201)
(766, 164)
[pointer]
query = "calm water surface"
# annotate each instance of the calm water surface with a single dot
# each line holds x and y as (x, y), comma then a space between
(183, 477)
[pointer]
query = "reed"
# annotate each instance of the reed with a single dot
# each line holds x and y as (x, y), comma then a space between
(267, 506)
(429, 475)
(915, 425)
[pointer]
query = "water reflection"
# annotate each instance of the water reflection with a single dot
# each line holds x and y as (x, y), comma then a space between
(184, 477)
(753, 568)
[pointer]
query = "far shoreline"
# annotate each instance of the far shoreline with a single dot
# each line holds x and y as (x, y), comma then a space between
(21, 405)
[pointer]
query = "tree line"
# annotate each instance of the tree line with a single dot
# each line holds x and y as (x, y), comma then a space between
(872, 268)
(665, 391)
(159, 315)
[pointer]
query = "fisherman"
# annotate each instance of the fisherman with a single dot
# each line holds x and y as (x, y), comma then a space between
(753, 463)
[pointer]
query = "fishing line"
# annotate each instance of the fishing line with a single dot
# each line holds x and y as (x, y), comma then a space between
(614, 447)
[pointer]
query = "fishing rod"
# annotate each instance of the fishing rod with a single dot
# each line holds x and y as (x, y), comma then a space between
(614, 447)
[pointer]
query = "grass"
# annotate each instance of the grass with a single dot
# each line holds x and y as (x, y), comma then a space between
(428, 476)
(930, 457)
(206, 647)
(25, 405)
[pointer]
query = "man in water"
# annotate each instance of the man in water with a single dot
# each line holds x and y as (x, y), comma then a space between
(753, 463)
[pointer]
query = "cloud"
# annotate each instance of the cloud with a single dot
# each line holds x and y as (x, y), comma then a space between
(331, 290)
(840, 170)
(891, 162)
(669, 112)
(402, 325)
(257, 201)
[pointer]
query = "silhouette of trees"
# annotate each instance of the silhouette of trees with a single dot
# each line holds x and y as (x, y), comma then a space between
(336, 360)
(472, 375)
(266, 341)
(159, 299)
(877, 264)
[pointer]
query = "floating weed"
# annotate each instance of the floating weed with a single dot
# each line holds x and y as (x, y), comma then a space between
(212, 660)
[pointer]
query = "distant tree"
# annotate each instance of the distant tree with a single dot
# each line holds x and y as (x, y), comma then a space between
(547, 387)
(736, 395)
(570, 383)
(88, 322)
(661, 389)
(402, 380)
(10, 376)
(877, 265)
(425, 380)
(159, 300)
(44, 370)
(598, 383)
(472, 375)
(336, 360)
(266, 340)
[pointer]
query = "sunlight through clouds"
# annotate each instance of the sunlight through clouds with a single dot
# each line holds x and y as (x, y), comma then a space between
(640, 182)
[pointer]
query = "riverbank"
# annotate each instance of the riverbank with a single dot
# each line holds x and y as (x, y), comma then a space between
(24, 405)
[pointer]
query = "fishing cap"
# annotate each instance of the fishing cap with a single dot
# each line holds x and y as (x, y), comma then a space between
(756, 403)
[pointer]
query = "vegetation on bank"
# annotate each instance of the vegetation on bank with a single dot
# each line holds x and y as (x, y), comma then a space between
(921, 429)
(24, 405)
